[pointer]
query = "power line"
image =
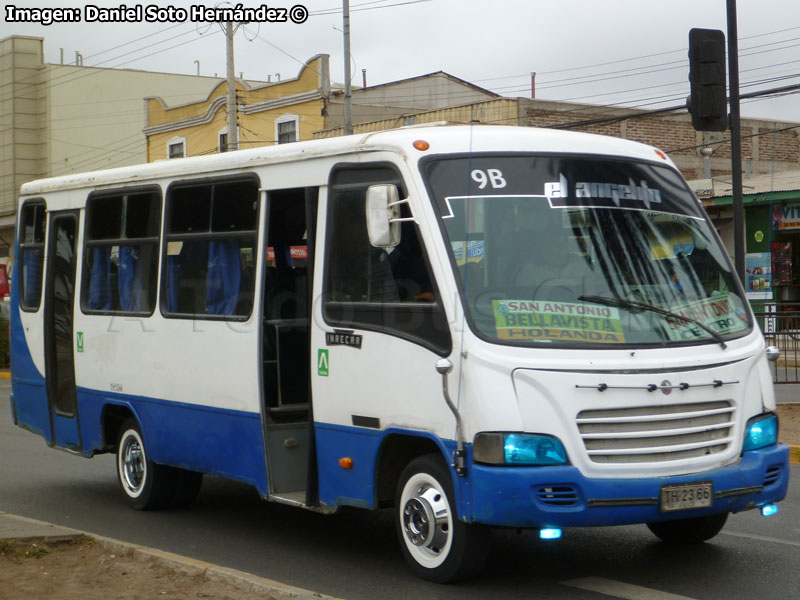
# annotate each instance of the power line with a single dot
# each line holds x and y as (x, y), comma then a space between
(363, 7)
(727, 140)
(31, 80)
(638, 115)
(632, 59)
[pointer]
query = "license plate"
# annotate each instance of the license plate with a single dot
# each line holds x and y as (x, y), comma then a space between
(686, 496)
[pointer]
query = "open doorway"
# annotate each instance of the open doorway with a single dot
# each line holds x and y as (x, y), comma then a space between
(286, 344)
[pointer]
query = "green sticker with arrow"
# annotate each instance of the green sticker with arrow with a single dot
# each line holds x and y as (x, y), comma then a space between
(323, 364)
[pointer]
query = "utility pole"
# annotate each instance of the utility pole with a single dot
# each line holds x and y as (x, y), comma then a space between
(736, 142)
(348, 107)
(233, 130)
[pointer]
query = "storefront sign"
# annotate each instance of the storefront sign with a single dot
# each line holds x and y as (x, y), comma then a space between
(786, 216)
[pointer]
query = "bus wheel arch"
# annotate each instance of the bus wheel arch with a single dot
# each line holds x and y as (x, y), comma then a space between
(112, 419)
(397, 450)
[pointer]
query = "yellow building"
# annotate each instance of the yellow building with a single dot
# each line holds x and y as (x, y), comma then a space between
(276, 112)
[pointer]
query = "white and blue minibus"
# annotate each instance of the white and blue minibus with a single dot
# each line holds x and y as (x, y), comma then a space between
(477, 326)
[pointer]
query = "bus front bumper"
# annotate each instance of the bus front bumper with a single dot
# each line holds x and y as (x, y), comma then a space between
(534, 497)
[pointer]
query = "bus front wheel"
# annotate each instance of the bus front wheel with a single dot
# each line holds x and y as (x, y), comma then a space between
(146, 484)
(688, 531)
(437, 545)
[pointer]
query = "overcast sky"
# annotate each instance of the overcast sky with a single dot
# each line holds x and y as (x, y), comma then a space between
(625, 52)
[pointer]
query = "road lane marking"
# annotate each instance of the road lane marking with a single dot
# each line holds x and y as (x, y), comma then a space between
(618, 589)
(762, 538)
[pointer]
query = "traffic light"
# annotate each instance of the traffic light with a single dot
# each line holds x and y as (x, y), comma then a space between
(707, 101)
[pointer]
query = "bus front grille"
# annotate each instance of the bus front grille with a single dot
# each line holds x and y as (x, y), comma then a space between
(656, 433)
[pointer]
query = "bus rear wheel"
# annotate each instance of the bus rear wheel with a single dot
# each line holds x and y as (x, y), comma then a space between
(688, 531)
(148, 485)
(437, 545)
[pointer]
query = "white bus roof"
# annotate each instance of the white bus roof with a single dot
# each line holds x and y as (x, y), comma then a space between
(443, 139)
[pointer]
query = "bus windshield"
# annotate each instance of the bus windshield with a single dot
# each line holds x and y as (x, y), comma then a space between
(584, 251)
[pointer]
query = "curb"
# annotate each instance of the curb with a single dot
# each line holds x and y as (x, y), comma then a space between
(5, 375)
(794, 454)
(182, 564)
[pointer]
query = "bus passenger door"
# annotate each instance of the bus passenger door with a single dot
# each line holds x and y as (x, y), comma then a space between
(286, 346)
(379, 330)
(59, 337)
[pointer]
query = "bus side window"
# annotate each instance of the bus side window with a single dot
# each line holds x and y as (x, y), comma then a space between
(121, 252)
(210, 240)
(384, 289)
(359, 272)
(31, 249)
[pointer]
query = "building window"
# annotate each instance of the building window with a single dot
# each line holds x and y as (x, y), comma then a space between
(31, 251)
(287, 129)
(176, 148)
(223, 142)
(209, 264)
(121, 252)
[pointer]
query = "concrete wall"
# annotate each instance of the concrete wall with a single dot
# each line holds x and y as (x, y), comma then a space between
(21, 135)
(60, 119)
(96, 116)
(501, 111)
(391, 100)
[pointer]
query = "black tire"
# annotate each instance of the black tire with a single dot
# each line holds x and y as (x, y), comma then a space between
(187, 486)
(146, 485)
(449, 551)
(689, 531)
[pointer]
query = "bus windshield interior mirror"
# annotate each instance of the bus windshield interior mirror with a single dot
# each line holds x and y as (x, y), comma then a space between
(383, 215)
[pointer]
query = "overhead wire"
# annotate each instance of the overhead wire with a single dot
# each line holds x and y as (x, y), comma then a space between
(364, 6)
(383, 4)
(70, 76)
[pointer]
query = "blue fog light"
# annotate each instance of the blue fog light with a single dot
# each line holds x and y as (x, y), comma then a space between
(526, 449)
(769, 510)
(549, 533)
(761, 432)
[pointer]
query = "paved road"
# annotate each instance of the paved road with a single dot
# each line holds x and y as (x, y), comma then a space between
(354, 555)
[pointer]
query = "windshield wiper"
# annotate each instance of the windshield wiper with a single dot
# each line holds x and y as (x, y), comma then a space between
(661, 311)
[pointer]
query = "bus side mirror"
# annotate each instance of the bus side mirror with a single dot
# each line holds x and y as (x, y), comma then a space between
(383, 215)
(773, 353)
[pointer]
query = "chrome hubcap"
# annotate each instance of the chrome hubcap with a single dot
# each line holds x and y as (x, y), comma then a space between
(133, 464)
(425, 519)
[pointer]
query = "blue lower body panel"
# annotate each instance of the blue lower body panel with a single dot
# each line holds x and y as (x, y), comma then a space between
(220, 442)
(29, 407)
(351, 487)
(563, 497)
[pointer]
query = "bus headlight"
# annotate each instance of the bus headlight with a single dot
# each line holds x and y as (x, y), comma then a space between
(761, 431)
(518, 449)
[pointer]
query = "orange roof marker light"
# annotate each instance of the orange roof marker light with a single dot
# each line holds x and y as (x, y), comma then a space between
(421, 145)
(661, 155)
(346, 463)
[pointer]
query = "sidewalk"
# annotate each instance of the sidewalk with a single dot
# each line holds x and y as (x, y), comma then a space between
(788, 393)
(30, 533)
